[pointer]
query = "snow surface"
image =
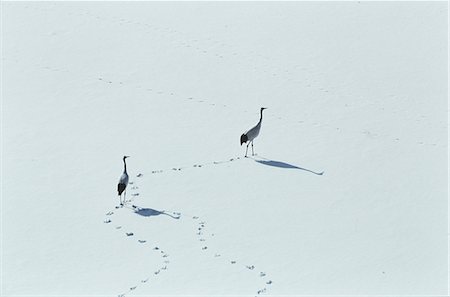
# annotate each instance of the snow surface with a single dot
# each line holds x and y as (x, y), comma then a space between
(356, 90)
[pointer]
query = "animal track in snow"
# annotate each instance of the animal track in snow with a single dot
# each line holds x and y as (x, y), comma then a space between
(164, 256)
(201, 226)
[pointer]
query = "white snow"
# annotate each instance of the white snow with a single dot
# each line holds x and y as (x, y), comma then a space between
(356, 90)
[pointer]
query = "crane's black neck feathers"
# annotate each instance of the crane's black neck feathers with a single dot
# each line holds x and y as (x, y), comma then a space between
(260, 119)
(124, 165)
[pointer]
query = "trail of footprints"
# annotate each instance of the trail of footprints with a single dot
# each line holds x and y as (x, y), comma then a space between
(364, 132)
(165, 260)
(202, 234)
(195, 166)
(193, 43)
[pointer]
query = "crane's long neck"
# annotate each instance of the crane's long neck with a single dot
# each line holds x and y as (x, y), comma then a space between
(124, 166)
(260, 119)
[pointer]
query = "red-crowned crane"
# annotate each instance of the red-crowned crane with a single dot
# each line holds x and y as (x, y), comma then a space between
(251, 134)
(123, 182)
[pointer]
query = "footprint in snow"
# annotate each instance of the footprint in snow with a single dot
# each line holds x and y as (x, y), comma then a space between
(107, 221)
(110, 213)
(144, 280)
(142, 241)
(269, 282)
(261, 291)
(129, 233)
(250, 267)
(133, 288)
(262, 274)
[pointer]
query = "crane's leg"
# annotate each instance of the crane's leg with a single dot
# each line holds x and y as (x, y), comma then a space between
(253, 153)
(246, 150)
(124, 197)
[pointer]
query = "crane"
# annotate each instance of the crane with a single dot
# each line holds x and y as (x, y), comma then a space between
(123, 181)
(251, 134)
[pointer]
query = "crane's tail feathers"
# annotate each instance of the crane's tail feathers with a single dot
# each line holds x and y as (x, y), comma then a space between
(121, 188)
(244, 138)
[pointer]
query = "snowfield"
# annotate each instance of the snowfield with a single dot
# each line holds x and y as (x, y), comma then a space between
(348, 190)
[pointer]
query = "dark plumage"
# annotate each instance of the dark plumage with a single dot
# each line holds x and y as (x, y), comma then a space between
(121, 188)
(244, 138)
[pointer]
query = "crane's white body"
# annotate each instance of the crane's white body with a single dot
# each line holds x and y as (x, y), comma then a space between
(124, 178)
(253, 132)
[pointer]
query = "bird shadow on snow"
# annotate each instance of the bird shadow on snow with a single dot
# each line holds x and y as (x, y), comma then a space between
(149, 212)
(284, 165)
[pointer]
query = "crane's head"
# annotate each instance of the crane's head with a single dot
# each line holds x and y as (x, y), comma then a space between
(262, 108)
(244, 138)
(124, 157)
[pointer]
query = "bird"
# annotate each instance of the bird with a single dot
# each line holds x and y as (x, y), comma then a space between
(123, 181)
(251, 134)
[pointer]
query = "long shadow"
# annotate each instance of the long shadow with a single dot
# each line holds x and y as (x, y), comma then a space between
(280, 164)
(149, 212)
